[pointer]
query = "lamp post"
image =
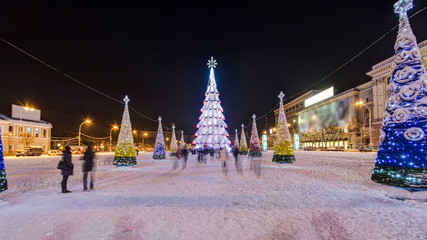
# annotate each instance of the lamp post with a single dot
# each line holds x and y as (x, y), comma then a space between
(114, 127)
(80, 129)
(361, 103)
(143, 140)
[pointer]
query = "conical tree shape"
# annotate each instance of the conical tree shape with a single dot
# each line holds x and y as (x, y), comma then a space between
(236, 141)
(254, 146)
(159, 147)
(402, 156)
(283, 151)
(182, 144)
(212, 131)
(125, 150)
(173, 146)
(3, 179)
(243, 144)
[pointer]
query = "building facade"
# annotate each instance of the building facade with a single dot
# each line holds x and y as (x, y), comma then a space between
(337, 121)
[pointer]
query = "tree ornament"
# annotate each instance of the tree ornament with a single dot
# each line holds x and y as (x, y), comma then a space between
(243, 144)
(211, 131)
(402, 157)
(159, 147)
(283, 150)
(254, 145)
(125, 151)
(3, 179)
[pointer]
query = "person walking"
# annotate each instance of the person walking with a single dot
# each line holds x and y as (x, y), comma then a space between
(177, 158)
(67, 170)
(238, 162)
(88, 167)
(184, 154)
(223, 155)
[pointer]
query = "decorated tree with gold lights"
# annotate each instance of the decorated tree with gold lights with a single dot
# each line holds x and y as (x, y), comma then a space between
(125, 151)
(173, 146)
(283, 151)
(243, 144)
(254, 145)
(159, 147)
(402, 156)
(3, 179)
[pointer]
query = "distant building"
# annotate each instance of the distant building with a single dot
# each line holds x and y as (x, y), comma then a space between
(23, 129)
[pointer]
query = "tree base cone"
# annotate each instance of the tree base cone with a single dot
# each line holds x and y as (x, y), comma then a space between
(3, 181)
(159, 157)
(255, 154)
(284, 158)
(124, 161)
(243, 153)
(412, 179)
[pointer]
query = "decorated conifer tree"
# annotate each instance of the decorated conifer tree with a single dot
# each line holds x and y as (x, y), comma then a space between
(211, 131)
(173, 146)
(236, 141)
(182, 144)
(254, 146)
(3, 179)
(243, 144)
(125, 151)
(283, 151)
(402, 156)
(159, 146)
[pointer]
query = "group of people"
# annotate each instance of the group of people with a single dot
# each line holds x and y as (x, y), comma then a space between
(67, 168)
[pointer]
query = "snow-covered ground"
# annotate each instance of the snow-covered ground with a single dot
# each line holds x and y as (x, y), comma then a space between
(323, 195)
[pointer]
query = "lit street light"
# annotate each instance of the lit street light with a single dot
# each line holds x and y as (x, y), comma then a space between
(361, 103)
(114, 127)
(88, 121)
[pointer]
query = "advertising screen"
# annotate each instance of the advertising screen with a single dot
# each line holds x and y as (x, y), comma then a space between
(331, 115)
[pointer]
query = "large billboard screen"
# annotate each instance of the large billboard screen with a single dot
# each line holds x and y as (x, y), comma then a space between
(331, 115)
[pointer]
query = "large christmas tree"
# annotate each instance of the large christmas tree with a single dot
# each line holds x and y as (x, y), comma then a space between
(283, 151)
(236, 141)
(125, 150)
(3, 180)
(254, 146)
(173, 146)
(212, 132)
(182, 142)
(243, 144)
(402, 155)
(159, 147)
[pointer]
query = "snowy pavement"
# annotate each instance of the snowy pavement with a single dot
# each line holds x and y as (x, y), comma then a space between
(323, 195)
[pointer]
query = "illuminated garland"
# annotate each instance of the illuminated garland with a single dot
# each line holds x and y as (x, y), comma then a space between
(254, 146)
(402, 156)
(211, 131)
(283, 151)
(3, 179)
(125, 151)
(159, 147)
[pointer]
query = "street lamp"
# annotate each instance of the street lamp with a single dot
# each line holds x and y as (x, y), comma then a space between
(114, 127)
(143, 140)
(88, 121)
(361, 103)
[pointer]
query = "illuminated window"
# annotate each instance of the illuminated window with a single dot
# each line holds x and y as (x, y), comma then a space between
(29, 130)
(37, 130)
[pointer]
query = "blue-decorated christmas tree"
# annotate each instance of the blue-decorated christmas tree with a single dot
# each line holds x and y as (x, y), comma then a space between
(159, 147)
(125, 151)
(402, 154)
(3, 179)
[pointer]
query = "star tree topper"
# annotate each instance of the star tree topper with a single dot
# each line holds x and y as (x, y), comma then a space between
(160, 119)
(126, 99)
(281, 96)
(254, 116)
(212, 63)
(402, 6)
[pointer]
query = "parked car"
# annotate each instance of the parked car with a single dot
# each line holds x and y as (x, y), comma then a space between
(365, 149)
(29, 151)
(54, 153)
(309, 149)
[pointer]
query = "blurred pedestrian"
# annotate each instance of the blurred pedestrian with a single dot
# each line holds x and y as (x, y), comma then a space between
(238, 161)
(88, 168)
(223, 155)
(184, 154)
(255, 164)
(177, 158)
(67, 170)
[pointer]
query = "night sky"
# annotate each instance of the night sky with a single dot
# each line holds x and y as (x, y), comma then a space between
(156, 53)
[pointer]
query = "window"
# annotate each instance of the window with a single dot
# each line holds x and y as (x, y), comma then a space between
(29, 131)
(10, 148)
(37, 130)
(11, 129)
(44, 133)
